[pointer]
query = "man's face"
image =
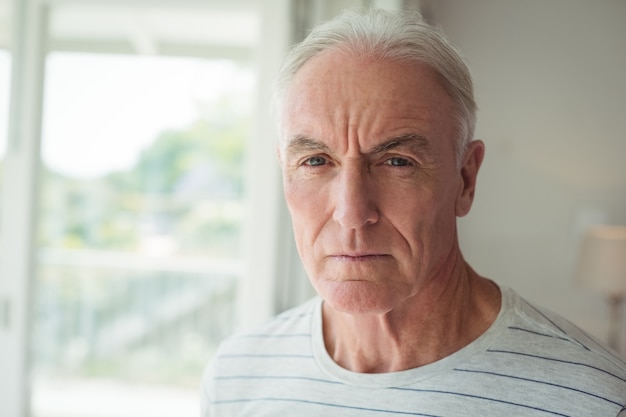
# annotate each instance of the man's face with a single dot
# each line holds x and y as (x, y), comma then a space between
(368, 157)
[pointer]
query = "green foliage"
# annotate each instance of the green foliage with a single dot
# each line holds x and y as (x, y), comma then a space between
(178, 172)
(216, 141)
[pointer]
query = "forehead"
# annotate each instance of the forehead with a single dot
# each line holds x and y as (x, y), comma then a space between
(337, 93)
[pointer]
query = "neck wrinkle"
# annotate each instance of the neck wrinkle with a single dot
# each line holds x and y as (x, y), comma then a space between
(441, 319)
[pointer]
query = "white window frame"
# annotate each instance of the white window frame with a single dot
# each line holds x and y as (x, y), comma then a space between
(267, 255)
(19, 192)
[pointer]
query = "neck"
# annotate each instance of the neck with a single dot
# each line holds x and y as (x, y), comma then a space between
(439, 320)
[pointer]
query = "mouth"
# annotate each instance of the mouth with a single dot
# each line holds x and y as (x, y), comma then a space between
(359, 257)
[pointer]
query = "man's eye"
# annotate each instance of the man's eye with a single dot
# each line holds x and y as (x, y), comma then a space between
(315, 161)
(397, 162)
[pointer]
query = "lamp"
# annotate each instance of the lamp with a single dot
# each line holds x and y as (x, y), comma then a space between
(602, 267)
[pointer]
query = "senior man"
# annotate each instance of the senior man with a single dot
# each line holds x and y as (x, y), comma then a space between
(376, 118)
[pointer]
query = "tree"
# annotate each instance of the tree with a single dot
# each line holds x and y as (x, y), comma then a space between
(161, 192)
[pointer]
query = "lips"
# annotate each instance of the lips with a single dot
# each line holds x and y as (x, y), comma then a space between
(359, 256)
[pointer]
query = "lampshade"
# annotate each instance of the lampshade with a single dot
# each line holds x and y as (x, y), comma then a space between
(602, 260)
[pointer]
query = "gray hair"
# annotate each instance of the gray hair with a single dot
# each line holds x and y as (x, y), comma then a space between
(395, 36)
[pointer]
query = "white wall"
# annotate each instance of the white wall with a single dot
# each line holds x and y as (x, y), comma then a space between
(550, 79)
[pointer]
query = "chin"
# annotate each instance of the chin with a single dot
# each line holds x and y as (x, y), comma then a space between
(356, 297)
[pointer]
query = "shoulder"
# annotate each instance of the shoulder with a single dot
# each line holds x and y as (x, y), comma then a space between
(555, 364)
(547, 324)
(286, 332)
(542, 339)
(265, 352)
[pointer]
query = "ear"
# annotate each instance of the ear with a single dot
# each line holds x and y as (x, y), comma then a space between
(473, 158)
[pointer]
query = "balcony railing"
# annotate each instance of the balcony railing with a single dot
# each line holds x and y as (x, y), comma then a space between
(130, 316)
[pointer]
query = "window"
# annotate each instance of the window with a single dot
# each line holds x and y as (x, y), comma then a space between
(139, 242)
(141, 229)
(5, 79)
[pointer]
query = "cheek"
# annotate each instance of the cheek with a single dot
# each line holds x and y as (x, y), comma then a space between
(307, 208)
(442, 227)
(423, 218)
(300, 199)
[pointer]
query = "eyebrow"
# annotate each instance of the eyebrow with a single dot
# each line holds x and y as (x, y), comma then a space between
(305, 143)
(300, 144)
(416, 143)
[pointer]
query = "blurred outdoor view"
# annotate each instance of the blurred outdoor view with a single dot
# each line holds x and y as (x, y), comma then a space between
(139, 225)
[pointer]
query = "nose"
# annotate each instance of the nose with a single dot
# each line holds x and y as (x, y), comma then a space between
(355, 198)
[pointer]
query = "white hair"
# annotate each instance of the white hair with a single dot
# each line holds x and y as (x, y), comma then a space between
(393, 36)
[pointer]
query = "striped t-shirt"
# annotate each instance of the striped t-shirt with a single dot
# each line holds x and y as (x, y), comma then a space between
(528, 363)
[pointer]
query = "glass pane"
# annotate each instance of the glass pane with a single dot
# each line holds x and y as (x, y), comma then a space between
(139, 230)
(5, 80)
